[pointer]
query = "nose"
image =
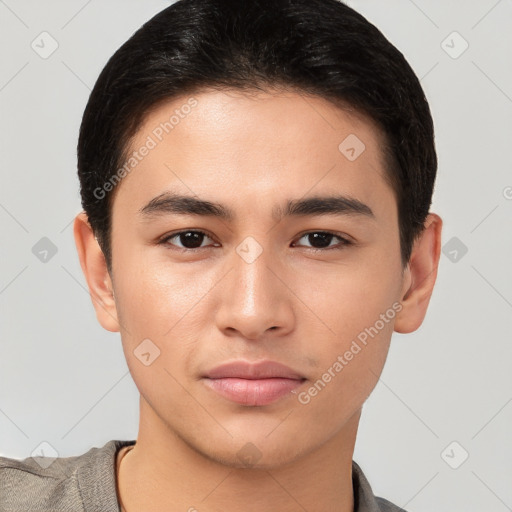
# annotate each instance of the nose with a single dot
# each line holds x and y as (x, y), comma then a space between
(256, 300)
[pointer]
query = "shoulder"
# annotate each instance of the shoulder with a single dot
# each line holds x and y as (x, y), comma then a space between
(387, 506)
(60, 484)
(27, 485)
(364, 499)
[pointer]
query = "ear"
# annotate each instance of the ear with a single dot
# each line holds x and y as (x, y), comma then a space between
(420, 276)
(95, 271)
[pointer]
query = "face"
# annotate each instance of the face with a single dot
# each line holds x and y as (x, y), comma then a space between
(315, 287)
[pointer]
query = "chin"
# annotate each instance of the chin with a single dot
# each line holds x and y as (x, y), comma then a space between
(254, 452)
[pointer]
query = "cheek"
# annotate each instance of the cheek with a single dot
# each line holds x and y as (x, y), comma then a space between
(165, 304)
(354, 311)
(350, 364)
(156, 294)
(345, 300)
(156, 306)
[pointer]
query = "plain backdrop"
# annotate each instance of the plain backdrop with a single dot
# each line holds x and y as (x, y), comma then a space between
(436, 432)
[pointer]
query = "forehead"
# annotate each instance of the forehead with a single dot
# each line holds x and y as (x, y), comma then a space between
(231, 145)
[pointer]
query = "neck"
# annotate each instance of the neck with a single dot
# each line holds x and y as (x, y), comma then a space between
(163, 472)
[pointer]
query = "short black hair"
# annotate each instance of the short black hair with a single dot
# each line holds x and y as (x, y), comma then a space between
(319, 47)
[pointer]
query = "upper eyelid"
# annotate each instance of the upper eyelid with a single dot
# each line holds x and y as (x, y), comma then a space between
(334, 233)
(176, 233)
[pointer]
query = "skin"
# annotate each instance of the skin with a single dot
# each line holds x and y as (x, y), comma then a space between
(252, 152)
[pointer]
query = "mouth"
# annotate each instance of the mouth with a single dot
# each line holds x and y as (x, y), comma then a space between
(253, 384)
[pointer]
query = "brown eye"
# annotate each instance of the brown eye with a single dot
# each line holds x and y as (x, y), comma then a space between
(186, 239)
(323, 239)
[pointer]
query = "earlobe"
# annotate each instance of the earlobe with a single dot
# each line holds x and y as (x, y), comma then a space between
(420, 276)
(96, 273)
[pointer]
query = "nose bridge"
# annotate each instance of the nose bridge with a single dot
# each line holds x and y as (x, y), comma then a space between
(254, 299)
(251, 271)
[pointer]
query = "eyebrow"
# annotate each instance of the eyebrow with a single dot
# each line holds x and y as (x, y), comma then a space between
(169, 203)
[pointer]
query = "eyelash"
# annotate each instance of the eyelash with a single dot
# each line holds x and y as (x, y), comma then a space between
(344, 242)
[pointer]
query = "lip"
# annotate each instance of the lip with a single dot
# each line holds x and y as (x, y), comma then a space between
(246, 370)
(253, 384)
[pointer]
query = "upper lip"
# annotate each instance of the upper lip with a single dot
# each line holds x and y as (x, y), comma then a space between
(247, 370)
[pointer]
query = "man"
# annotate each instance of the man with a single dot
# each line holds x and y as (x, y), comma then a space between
(256, 179)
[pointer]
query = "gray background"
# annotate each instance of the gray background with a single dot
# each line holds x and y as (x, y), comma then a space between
(64, 380)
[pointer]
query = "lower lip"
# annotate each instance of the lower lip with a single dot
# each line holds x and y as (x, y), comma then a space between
(253, 391)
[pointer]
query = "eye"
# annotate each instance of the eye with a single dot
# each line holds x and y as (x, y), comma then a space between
(321, 240)
(193, 240)
(189, 240)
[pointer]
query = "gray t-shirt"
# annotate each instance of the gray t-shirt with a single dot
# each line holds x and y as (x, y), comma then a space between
(87, 483)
